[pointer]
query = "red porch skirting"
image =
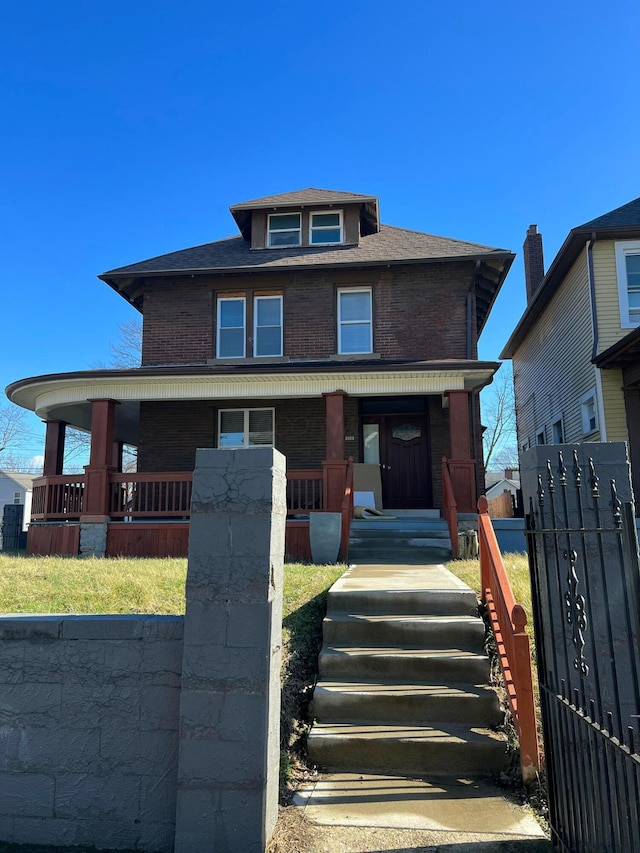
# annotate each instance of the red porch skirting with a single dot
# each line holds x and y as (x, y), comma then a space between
(44, 540)
(297, 545)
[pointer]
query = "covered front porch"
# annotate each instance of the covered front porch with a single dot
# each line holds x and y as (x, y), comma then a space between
(401, 422)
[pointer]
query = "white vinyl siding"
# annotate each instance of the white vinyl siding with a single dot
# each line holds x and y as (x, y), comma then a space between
(245, 427)
(552, 368)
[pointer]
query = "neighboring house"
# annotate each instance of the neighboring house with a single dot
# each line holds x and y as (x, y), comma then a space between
(576, 348)
(16, 489)
(497, 482)
(317, 330)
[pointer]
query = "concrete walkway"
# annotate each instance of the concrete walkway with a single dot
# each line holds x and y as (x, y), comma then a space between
(449, 812)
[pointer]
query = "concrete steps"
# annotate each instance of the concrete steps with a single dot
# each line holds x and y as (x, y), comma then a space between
(403, 682)
(398, 537)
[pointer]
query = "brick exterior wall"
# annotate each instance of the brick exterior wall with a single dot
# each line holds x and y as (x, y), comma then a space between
(170, 432)
(419, 312)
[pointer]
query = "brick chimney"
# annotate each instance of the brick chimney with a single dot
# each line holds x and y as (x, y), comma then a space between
(533, 261)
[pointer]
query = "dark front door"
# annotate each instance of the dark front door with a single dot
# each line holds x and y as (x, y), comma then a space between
(403, 451)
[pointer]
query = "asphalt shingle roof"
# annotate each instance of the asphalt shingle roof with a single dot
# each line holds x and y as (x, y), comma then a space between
(628, 214)
(390, 244)
(310, 195)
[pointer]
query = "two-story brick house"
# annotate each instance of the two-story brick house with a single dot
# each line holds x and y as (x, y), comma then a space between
(316, 329)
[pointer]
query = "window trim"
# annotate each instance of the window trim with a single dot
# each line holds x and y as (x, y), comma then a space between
(313, 213)
(246, 412)
(270, 230)
(219, 301)
(558, 419)
(254, 342)
(340, 291)
(622, 249)
(584, 401)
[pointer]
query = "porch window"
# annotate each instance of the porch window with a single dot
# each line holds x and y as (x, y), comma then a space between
(325, 229)
(267, 313)
(231, 327)
(284, 229)
(245, 427)
(354, 321)
(628, 273)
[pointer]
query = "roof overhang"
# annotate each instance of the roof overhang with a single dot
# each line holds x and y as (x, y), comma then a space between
(67, 396)
(575, 243)
(621, 354)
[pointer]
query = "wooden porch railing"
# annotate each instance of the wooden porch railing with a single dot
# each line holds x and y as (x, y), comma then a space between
(347, 510)
(57, 497)
(450, 507)
(165, 495)
(508, 621)
(304, 490)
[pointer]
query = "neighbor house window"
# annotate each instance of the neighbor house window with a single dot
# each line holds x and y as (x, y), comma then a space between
(16, 497)
(589, 412)
(267, 316)
(628, 272)
(231, 334)
(325, 229)
(245, 427)
(284, 229)
(557, 430)
(354, 321)
(540, 436)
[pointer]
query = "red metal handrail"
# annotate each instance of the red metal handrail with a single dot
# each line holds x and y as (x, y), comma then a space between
(450, 507)
(347, 510)
(508, 621)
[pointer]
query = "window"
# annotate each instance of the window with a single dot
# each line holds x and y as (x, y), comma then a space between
(354, 321)
(557, 430)
(231, 328)
(245, 427)
(267, 315)
(284, 229)
(325, 229)
(16, 497)
(540, 436)
(628, 271)
(589, 412)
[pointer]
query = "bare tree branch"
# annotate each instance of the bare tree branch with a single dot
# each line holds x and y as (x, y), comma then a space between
(13, 427)
(499, 417)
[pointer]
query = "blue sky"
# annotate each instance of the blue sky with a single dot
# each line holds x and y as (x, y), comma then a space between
(129, 128)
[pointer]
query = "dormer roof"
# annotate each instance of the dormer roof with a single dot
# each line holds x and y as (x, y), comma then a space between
(310, 197)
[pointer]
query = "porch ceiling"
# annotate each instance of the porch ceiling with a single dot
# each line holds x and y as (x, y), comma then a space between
(66, 396)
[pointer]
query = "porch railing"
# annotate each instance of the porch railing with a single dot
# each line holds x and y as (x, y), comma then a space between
(304, 490)
(165, 495)
(508, 621)
(57, 497)
(450, 507)
(347, 510)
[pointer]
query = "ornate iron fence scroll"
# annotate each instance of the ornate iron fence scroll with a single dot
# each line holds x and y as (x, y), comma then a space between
(583, 554)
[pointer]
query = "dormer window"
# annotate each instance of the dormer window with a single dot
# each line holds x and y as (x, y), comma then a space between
(284, 229)
(325, 228)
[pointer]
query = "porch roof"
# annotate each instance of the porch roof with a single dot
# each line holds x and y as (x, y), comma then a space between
(67, 396)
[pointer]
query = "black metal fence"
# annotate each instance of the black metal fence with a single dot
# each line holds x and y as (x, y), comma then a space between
(583, 554)
(11, 535)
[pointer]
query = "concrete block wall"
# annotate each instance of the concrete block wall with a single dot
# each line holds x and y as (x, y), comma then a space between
(89, 730)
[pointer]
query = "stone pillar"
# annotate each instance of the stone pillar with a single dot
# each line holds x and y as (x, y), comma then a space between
(54, 447)
(228, 762)
(334, 467)
(461, 461)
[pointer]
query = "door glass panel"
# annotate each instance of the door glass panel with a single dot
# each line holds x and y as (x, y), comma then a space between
(371, 436)
(407, 432)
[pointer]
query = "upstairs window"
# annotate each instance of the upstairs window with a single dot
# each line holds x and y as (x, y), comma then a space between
(325, 229)
(245, 427)
(628, 272)
(284, 229)
(354, 321)
(231, 327)
(267, 314)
